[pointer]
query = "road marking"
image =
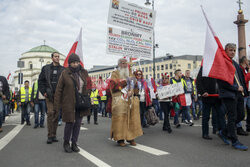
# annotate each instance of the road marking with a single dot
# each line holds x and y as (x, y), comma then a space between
(93, 159)
(7, 138)
(82, 128)
(148, 149)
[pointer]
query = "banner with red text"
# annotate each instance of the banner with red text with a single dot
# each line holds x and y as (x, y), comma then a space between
(127, 43)
(131, 16)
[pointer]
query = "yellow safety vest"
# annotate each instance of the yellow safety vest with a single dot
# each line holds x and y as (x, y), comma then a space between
(35, 89)
(93, 97)
(103, 97)
(184, 84)
(23, 94)
(194, 87)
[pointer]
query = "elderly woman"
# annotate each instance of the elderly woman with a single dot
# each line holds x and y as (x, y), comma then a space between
(74, 78)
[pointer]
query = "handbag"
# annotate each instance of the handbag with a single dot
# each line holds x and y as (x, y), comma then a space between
(151, 116)
(83, 102)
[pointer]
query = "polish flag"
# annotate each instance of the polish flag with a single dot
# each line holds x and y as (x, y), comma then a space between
(185, 99)
(77, 49)
(8, 77)
(216, 63)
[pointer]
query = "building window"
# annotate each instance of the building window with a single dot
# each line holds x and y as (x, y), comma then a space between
(30, 65)
(146, 69)
(171, 74)
(158, 68)
(150, 69)
(142, 69)
(179, 65)
(146, 76)
(166, 66)
(189, 66)
(158, 76)
(162, 67)
(170, 66)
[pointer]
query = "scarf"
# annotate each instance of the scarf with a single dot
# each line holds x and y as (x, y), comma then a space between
(75, 73)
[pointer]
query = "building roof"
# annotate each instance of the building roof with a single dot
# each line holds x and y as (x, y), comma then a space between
(142, 62)
(42, 48)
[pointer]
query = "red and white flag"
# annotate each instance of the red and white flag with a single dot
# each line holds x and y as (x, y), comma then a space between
(185, 99)
(216, 63)
(9, 76)
(76, 48)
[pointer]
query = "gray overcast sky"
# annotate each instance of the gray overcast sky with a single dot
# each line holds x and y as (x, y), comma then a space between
(180, 27)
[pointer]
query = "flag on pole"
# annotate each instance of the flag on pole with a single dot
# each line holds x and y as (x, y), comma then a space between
(216, 64)
(77, 49)
(8, 77)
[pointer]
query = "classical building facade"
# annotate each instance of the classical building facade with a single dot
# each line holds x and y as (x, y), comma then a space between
(166, 64)
(34, 60)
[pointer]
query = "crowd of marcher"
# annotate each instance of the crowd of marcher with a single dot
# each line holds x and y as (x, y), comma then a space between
(131, 101)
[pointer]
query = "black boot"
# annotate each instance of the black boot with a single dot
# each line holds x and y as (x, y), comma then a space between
(74, 147)
(66, 147)
(49, 141)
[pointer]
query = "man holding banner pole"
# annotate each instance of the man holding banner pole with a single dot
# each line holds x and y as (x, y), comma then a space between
(233, 100)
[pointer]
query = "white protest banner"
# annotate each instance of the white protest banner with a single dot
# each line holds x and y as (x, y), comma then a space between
(127, 43)
(131, 16)
(170, 90)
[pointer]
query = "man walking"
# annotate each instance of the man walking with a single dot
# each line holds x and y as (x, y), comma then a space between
(25, 99)
(39, 104)
(232, 99)
(47, 83)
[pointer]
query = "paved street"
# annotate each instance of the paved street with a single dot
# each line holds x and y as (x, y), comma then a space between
(24, 146)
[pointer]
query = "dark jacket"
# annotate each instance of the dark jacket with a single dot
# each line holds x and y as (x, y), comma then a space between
(44, 81)
(230, 91)
(65, 94)
(6, 89)
(206, 84)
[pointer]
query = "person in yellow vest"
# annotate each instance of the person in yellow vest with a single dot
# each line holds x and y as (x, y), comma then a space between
(39, 104)
(184, 109)
(94, 96)
(25, 99)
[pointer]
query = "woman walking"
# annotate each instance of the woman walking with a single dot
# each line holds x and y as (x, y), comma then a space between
(73, 78)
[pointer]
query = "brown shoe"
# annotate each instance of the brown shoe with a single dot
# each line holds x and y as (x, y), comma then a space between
(121, 143)
(132, 142)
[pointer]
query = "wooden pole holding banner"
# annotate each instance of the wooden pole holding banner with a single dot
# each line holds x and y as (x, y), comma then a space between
(239, 84)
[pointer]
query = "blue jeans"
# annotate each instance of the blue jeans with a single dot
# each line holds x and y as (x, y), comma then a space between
(185, 113)
(5, 111)
(25, 116)
(103, 108)
(40, 107)
(157, 108)
(193, 107)
(1, 112)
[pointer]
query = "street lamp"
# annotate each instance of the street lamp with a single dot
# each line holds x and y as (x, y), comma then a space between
(154, 45)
